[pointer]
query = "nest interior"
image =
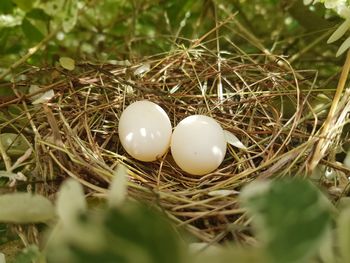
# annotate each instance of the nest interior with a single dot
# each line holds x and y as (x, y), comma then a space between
(266, 105)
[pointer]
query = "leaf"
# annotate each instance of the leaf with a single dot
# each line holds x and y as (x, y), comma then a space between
(341, 30)
(70, 16)
(38, 14)
(33, 89)
(142, 69)
(230, 254)
(45, 97)
(291, 217)
(14, 144)
(222, 193)
(326, 250)
(346, 160)
(131, 233)
(6, 6)
(343, 47)
(67, 63)
(31, 32)
(118, 189)
(233, 140)
(11, 20)
(307, 2)
(70, 202)
(28, 255)
(25, 208)
(343, 233)
(178, 10)
(25, 5)
(142, 229)
(52, 7)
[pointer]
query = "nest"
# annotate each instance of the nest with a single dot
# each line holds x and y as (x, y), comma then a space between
(262, 102)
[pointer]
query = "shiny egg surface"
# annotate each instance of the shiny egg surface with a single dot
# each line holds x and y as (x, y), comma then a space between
(145, 131)
(198, 145)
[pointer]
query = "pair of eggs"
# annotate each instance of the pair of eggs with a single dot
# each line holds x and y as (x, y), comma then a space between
(197, 144)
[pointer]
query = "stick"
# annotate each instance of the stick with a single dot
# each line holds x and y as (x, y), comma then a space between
(320, 150)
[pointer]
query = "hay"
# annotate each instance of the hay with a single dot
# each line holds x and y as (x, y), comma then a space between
(267, 106)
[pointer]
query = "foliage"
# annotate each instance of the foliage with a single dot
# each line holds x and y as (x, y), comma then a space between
(288, 210)
(29, 208)
(114, 30)
(292, 220)
(342, 8)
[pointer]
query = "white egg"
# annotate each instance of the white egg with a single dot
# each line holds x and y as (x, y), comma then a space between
(198, 145)
(145, 131)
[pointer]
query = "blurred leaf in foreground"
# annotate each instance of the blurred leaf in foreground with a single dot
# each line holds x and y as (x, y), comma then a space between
(129, 233)
(25, 208)
(291, 217)
(134, 233)
(343, 232)
(28, 255)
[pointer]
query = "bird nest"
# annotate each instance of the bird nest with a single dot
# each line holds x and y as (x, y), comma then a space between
(262, 101)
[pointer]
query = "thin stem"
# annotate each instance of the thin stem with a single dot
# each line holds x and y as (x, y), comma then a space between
(320, 149)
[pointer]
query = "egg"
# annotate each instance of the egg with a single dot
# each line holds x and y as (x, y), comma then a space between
(145, 131)
(198, 145)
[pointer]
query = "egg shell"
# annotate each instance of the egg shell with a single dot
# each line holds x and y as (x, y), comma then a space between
(198, 145)
(145, 131)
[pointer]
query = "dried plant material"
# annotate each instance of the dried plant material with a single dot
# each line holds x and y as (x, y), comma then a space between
(233, 140)
(86, 112)
(142, 69)
(223, 193)
(45, 97)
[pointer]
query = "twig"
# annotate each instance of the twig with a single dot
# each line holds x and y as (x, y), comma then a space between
(320, 149)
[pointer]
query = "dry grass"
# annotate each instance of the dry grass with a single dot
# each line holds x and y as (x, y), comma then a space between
(266, 105)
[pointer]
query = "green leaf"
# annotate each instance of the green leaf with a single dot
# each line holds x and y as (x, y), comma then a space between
(177, 10)
(14, 144)
(343, 232)
(118, 189)
(70, 15)
(28, 255)
(52, 7)
(343, 47)
(31, 32)
(132, 233)
(6, 6)
(70, 202)
(12, 20)
(67, 63)
(341, 30)
(291, 217)
(6, 91)
(25, 208)
(38, 14)
(229, 254)
(25, 5)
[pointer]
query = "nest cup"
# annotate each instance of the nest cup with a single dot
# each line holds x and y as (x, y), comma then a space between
(75, 134)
